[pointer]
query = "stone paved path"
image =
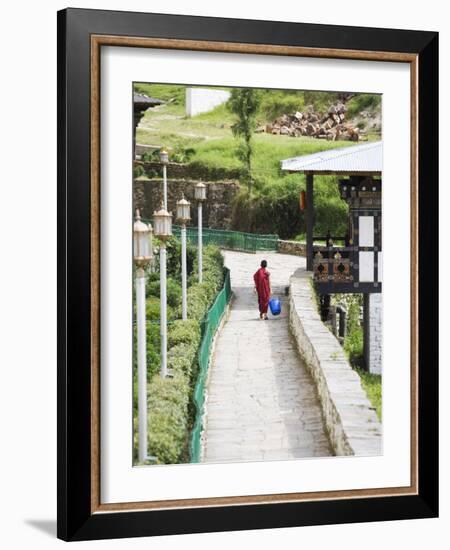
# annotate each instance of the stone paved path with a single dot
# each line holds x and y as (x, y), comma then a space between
(261, 401)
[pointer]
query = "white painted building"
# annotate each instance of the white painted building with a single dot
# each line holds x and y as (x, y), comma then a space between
(203, 100)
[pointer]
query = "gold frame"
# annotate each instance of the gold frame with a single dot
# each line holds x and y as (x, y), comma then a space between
(97, 41)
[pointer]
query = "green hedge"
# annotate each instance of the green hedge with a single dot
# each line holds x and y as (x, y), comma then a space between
(171, 410)
(173, 291)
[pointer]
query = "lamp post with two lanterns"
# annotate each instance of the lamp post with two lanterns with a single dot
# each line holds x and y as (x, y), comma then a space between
(183, 216)
(162, 222)
(143, 254)
(200, 196)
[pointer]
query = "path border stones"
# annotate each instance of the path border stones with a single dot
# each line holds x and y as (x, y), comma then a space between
(351, 421)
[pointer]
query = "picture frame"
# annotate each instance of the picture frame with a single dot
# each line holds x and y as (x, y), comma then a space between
(81, 35)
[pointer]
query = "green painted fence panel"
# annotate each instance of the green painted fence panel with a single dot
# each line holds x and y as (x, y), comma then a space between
(231, 240)
(210, 323)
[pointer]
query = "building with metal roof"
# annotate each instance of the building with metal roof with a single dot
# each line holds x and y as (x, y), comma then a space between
(363, 159)
(145, 101)
(141, 103)
(355, 264)
(359, 169)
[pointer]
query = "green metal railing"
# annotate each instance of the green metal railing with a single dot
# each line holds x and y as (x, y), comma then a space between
(209, 327)
(231, 240)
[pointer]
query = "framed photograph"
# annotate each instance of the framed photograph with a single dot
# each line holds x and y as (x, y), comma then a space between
(247, 256)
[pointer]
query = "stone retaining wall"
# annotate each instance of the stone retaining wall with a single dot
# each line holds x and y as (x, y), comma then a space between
(350, 419)
(292, 247)
(148, 194)
(178, 170)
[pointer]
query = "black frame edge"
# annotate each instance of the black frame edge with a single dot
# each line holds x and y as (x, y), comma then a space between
(428, 195)
(61, 287)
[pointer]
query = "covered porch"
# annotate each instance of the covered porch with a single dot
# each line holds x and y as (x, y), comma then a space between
(355, 264)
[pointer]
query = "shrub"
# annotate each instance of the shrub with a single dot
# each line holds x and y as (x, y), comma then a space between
(151, 156)
(167, 419)
(331, 211)
(198, 299)
(275, 208)
(153, 350)
(153, 357)
(279, 102)
(173, 291)
(153, 310)
(170, 400)
(182, 155)
(353, 345)
(138, 171)
(373, 388)
(363, 102)
(184, 332)
(181, 358)
(191, 253)
(354, 340)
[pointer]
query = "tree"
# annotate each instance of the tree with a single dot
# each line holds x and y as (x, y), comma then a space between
(244, 103)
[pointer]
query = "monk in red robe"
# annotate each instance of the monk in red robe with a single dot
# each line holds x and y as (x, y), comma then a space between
(262, 287)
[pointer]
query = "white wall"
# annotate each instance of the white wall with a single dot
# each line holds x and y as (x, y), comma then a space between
(28, 288)
(376, 327)
(203, 100)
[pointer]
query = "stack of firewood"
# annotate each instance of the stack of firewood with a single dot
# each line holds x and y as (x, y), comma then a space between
(329, 126)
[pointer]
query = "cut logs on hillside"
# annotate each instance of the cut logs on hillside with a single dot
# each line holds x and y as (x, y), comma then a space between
(330, 126)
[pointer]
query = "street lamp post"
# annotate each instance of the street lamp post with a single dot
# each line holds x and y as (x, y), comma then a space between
(143, 254)
(183, 216)
(200, 196)
(164, 158)
(162, 222)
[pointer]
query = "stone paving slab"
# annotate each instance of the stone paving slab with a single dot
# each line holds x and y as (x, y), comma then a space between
(261, 400)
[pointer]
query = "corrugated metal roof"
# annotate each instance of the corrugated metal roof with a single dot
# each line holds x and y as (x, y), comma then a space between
(146, 100)
(365, 158)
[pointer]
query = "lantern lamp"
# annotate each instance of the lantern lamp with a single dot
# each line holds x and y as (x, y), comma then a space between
(200, 191)
(164, 156)
(162, 222)
(143, 254)
(142, 241)
(183, 210)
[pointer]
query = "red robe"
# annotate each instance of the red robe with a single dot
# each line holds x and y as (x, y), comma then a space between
(261, 278)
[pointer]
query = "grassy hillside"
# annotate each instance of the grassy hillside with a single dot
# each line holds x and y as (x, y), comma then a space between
(207, 138)
(206, 141)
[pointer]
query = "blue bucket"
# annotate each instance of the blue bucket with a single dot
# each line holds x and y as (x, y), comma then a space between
(275, 306)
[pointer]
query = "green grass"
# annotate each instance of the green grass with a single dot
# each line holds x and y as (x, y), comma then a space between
(165, 92)
(209, 138)
(269, 151)
(206, 143)
(171, 119)
(167, 125)
(372, 386)
(219, 116)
